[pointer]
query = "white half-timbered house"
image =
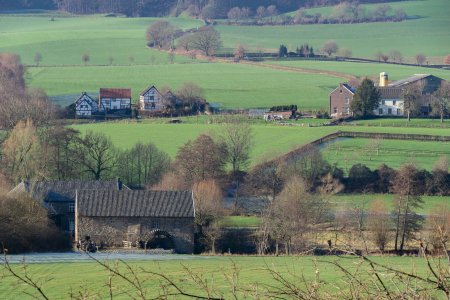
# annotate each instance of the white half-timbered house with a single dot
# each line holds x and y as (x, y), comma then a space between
(85, 106)
(151, 100)
(114, 99)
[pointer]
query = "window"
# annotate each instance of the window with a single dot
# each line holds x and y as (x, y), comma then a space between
(389, 111)
(71, 225)
(383, 102)
(151, 98)
(394, 102)
(71, 207)
(398, 112)
(380, 111)
(340, 91)
(153, 105)
(335, 110)
(155, 224)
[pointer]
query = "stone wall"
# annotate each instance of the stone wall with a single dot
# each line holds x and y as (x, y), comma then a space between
(112, 231)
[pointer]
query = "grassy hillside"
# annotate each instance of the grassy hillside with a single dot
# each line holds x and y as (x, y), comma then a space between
(232, 85)
(426, 33)
(63, 41)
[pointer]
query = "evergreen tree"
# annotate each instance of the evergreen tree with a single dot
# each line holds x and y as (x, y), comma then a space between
(366, 99)
(283, 52)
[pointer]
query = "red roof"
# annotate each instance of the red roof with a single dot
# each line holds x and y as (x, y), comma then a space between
(115, 93)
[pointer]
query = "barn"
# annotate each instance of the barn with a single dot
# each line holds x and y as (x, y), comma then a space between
(85, 106)
(160, 219)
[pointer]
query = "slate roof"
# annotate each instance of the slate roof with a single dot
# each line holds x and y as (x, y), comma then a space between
(60, 190)
(350, 88)
(390, 92)
(89, 98)
(409, 80)
(147, 90)
(128, 203)
(115, 93)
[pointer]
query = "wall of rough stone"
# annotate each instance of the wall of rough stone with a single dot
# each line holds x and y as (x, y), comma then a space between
(112, 231)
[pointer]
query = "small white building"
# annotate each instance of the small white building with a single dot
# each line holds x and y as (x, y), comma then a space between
(151, 99)
(114, 99)
(85, 106)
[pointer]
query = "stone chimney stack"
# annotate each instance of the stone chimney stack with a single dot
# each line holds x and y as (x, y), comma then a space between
(384, 79)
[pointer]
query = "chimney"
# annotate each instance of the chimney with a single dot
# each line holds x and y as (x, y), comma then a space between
(119, 184)
(384, 79)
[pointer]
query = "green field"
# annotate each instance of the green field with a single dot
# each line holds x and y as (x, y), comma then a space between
(231, 85)
(269, 140)
(427, 33)
(402, 122)
(66, 277)
(371, 70)
(345, 153)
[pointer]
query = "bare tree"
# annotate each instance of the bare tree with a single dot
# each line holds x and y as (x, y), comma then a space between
(22, 156)
(344, 52)
(235, 13)
(97, 154)
(441, 102)
(208, 201)
(171, 57)
(379, 56)
(185, 42)
(237, 138)
(85, 58)
(330, 47)
(207, 40)
(239, 52)
(420, 59)
(261, 12)
(160, 34)
(378, 223)
(37, 58)
(447, 60)
(438, 228)
(410, 96)
(396, 56)
(406, 221)
(200, 160)
(190, 93)
(110, 60)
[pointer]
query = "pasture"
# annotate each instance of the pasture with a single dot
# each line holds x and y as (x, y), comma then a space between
(90, 277)
(426, 32)
(394, 153)
(370, 70)
(227, 84)
(269, 140)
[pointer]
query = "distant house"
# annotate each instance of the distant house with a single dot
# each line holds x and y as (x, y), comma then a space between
(151, 100)
(391, 103)
(85, 106)
(59, 196)
(340, 99)
(112, 99)
(163, 218)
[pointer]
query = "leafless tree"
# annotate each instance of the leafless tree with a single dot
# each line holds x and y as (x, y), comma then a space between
(97, 154)
(171, 57)
(235, 13)
(85, 58)
(344, 52)
(441, 100)
(160, 34)
(438, 228)
(261, 12)
(207, 40)
(411, 104)
(330, 47)
(378, 224)
(37, 58)
(407, 200)
(190, 93)
(379, 56)
(447, 60)
(200, 159)
(239, 52)
(396, 56)
(420, 59)
(185, 42)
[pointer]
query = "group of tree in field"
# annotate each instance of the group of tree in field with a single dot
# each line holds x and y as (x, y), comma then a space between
(342, 13)
(329, 48)
(162, 35)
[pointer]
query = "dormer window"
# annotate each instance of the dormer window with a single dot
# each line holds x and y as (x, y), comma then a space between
(340, 91)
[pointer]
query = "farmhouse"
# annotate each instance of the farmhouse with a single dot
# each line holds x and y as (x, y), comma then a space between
(151, 100)
(391, 103)
(162, 219)
(340, 99)
(85, 106)
(59, 196)
(112, 99)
